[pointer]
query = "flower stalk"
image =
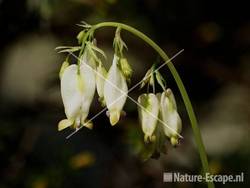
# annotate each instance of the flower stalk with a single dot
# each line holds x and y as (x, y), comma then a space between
(117, 74)
(181, 87)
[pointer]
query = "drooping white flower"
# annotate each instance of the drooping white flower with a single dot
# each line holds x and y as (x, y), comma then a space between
(77, 90)
(148, 109)
(169, 115)
(101, 74)
(115, 91)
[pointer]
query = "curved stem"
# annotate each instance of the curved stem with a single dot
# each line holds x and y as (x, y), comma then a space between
(185, 97)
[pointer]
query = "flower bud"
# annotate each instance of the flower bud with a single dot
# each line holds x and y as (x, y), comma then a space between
(65, 64)
(148, 114)
(80, 36)
(88, 58)
(115, 91)
(126, 68)
(146, 79)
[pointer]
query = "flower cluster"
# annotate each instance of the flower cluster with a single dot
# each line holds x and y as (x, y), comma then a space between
(80, 81)
(157, 112)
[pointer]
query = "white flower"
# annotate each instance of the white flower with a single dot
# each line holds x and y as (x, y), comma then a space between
(100, 80)
(115, 91)
(170, 116)
(77, 90)
(148, 114)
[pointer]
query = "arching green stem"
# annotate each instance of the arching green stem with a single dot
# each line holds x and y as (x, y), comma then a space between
(179, 83)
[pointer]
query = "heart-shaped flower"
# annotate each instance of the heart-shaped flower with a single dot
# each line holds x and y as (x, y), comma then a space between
(77, 90)
(148, 110)
(169, 115)
(115, 91)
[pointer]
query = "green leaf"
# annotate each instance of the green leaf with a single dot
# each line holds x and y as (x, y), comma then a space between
(160, 80)
(84, 25)
(63, 47)
(95, 48)
(118, 43)
(68, 49)
(146, 78)
(80, 36)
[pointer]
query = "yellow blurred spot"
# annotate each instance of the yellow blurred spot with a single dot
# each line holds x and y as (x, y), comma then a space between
(215, 167)
(81, 160)
(40, 183)
(209, 32)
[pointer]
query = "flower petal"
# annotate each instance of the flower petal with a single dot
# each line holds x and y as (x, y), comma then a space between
(88, 59)
(100, 80)
(71, 94)
(65, 123)
(170, 116)
(87, 74)
(88, 124)
(148, 114)
(115, 87)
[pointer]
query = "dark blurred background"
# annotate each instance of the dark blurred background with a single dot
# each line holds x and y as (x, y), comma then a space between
(215, 69)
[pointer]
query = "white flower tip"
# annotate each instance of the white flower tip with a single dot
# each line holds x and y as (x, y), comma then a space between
(146, 138)
(63, 124)
(107, 114)
(174, 141)
(88, 125)
(168, 91)
(114, 117)
(149, 138)
(169, 94)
